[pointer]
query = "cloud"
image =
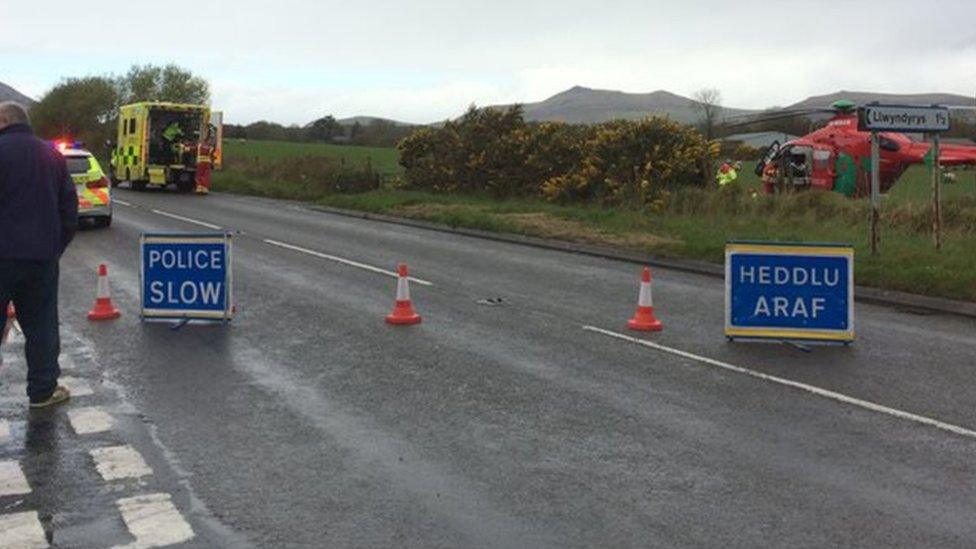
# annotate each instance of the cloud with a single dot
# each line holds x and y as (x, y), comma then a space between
(427, 60)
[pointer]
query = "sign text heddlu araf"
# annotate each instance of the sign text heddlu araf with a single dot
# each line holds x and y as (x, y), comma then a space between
(789, 291)
(186, 276)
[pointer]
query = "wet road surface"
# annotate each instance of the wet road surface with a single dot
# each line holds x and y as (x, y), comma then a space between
(511, 422)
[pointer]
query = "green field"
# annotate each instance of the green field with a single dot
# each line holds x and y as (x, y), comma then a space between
(384, 160)
(695, 225)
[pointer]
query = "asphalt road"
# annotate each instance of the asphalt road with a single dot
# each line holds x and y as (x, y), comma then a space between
(310, 422)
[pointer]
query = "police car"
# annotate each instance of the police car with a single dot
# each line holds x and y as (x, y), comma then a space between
(94, 193)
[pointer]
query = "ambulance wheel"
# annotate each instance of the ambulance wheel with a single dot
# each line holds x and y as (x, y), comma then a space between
(103, 221)
(138, 185)
(185, 186)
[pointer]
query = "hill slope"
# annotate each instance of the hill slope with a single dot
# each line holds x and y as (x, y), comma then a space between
(895, 98)
(9, 94)
(581, 105)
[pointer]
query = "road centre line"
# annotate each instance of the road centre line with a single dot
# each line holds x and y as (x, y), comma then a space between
(187, 219)
(12, 480)
(22, 530)
(344, 261)
(116, 462)
(85, 421)
(839, 397)
(123, 202)
(153, 521)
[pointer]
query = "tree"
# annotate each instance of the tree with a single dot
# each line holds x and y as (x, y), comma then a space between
(84, 109)
(708, 101)
(325, 129)
(170, 83)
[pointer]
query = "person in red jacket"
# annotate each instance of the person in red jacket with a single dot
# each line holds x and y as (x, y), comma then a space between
(204, 163)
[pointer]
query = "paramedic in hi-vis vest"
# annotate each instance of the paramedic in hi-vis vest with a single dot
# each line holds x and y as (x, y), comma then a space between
(204, 162)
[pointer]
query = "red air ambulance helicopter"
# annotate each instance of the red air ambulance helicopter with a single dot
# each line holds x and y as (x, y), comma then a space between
(837, 156)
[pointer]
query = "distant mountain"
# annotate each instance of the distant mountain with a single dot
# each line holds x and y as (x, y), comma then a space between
(579, 105)
(367, 120)
(9, 94)
(862, 98)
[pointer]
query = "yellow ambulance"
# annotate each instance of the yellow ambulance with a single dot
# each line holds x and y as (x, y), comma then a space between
(157, 143)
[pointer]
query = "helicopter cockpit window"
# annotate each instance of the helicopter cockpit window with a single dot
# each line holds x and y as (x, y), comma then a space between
(888, 144)
(821, 160)
(798, 161)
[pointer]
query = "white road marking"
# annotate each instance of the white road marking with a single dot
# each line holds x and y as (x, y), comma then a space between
(90, 420)
(123, 202)
(116, 462)
(153, 521)
(12, 479)
(22, 531)
(78, 387)
(187, 219)
(66, 362)
(4, 430)
(839, 397)
(344, 261)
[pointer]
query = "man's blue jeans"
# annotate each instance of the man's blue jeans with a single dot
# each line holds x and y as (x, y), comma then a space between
(33, 288)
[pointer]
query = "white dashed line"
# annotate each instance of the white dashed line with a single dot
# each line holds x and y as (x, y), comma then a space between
(123, 202)
(4, 430)
(839, 397)
(78, 387)
(187, 219)
(118, 462)
(12, 479)
(22, 530)
(66, 362)
(344, 261)
(153, 521)
(90, 420)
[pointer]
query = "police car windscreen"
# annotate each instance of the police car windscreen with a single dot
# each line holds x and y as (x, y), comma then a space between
(77, 164)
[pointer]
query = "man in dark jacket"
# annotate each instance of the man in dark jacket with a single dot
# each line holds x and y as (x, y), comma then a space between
(38, 218)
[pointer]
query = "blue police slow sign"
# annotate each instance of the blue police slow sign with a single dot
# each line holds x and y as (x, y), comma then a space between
(186, 276)
(789, 291)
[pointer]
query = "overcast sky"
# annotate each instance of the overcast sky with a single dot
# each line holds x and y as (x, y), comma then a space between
(292, 61)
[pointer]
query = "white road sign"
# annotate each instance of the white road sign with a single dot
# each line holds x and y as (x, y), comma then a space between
(895, 118)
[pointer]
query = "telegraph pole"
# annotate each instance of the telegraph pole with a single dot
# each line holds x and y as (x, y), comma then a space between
(936, 193)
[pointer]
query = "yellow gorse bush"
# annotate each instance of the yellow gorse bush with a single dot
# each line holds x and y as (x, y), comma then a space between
(495, 151)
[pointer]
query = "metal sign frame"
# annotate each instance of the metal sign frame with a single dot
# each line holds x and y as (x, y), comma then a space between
(189, 314)
(786, 249)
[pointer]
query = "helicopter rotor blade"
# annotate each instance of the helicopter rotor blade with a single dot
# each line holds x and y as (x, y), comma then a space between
(736, 122)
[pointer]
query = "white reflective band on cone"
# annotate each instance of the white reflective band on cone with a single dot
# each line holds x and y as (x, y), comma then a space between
(102, 286)
(644, 299)
(403, 289)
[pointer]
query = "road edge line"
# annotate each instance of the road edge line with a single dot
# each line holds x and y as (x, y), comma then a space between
(818, 391)
(863, 294)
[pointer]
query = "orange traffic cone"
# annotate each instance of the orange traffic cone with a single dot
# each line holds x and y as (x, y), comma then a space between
(103, 309)
(8, 321)
(644, 319)
(403, 312)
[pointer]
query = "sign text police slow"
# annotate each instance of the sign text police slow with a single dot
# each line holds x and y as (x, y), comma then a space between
(186, 276)
(789, 291)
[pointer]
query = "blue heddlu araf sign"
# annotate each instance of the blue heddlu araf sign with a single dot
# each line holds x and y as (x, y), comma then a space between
(789, 291)
(186, 276)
